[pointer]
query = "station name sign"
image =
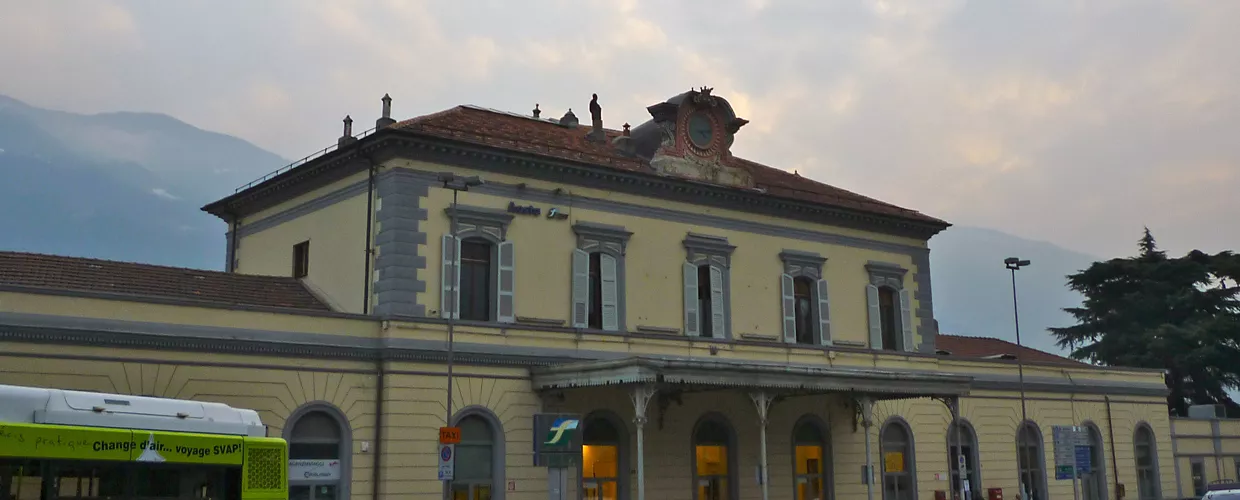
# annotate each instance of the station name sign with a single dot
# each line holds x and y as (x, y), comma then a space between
(552, 213)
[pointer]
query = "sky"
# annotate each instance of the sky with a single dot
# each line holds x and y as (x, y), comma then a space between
(1076, 122)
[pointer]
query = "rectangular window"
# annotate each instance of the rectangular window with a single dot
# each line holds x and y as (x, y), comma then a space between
(301, 259)
(595, 319)
(475, 289)
(803, 295)
(888, 310)
(705, 302)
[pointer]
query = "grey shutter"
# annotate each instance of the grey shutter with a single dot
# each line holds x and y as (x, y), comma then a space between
(506, 286)
(581, 288)
(691, 297)
(789, 304)
(824, 314)
(876, 317)
(906, 319)
(450, 277)
(608, 271)
(718, 317)
(611, 299)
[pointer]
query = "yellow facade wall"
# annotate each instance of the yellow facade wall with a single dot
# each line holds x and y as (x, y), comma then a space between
(337, 236)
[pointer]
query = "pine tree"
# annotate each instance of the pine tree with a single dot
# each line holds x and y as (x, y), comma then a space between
(1175, 314)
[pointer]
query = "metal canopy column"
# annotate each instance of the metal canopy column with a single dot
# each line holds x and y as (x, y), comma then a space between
(762, 401)
(867, 421)
(641, 397)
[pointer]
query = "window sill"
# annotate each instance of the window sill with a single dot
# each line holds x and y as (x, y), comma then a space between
(529, 320)
(658, 330)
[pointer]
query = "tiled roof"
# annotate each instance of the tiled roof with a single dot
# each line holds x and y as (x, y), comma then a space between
(982, 347)
(53, 272)
(547, 138)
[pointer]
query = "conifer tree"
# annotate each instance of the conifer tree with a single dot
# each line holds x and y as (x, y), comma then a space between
(1181, 315)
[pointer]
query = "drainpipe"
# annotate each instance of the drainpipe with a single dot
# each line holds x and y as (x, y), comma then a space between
(370, 250)
(1111, 432)
(377, 469)
(234, 224)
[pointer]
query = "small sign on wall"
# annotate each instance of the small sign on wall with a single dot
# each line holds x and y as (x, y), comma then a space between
(512, 485)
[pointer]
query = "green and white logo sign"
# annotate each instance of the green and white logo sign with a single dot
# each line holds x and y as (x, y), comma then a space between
(557, 439)
(561, 432)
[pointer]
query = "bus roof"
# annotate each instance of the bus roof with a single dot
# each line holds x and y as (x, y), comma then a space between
(96, 409)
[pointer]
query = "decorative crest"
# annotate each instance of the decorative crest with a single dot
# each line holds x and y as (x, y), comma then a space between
(703, 96)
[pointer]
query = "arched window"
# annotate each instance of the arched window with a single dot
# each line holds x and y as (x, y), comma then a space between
(1147, 463)
(1094, 484)
(714, 456)
(1030, 462)
(604, 469)
(962, 441)
(475, 289)
(477, 460)
(812, 453)
(898, 461)
(317, 436)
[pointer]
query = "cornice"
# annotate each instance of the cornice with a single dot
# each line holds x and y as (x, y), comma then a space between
(418, 146)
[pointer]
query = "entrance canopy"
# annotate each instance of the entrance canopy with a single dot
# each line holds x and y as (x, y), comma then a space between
(708, 374)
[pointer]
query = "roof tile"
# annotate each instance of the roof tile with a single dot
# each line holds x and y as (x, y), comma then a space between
(55, 272)
(546, 137)
(980, 347)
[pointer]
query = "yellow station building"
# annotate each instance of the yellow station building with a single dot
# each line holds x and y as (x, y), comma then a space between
(724, 329)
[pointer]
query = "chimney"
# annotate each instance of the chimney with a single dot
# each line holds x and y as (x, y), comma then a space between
(625, 143)
(386, 119)
(537, 112)
(347, 137)
(596, 120)
(569, 119)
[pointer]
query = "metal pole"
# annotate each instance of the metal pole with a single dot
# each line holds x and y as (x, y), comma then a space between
(456, 305)
(1020, 367)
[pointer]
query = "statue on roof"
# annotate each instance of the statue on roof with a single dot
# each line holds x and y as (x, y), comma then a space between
(596, 111)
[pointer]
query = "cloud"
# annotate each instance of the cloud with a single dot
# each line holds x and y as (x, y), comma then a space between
(163, 193)
(1073, 122)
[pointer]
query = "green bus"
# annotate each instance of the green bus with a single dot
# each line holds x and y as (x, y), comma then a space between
(58, 444)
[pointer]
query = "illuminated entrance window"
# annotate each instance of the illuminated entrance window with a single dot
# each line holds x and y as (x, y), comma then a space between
(898, 463)
(474, 472)
(813, 477)
(712, 450)
(601, 472)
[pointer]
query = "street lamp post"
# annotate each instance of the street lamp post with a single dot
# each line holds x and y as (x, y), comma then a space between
(457, 184)
(1014, 264)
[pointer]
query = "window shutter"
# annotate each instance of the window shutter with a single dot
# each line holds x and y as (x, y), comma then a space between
(691, 297)
(789, 304)
(611, 300)
(506, 284)
(824, 314)
(450, 277)
(581, 288)
(718, 317)
(876, 317)
(906, 319)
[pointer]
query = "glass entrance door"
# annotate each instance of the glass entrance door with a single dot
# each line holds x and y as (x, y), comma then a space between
(471, 491)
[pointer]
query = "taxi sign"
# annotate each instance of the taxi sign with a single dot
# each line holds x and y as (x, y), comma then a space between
(449, 435)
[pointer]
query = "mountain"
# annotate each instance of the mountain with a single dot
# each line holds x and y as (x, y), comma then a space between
(127, 186)
(124, 186)
(973, 289)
